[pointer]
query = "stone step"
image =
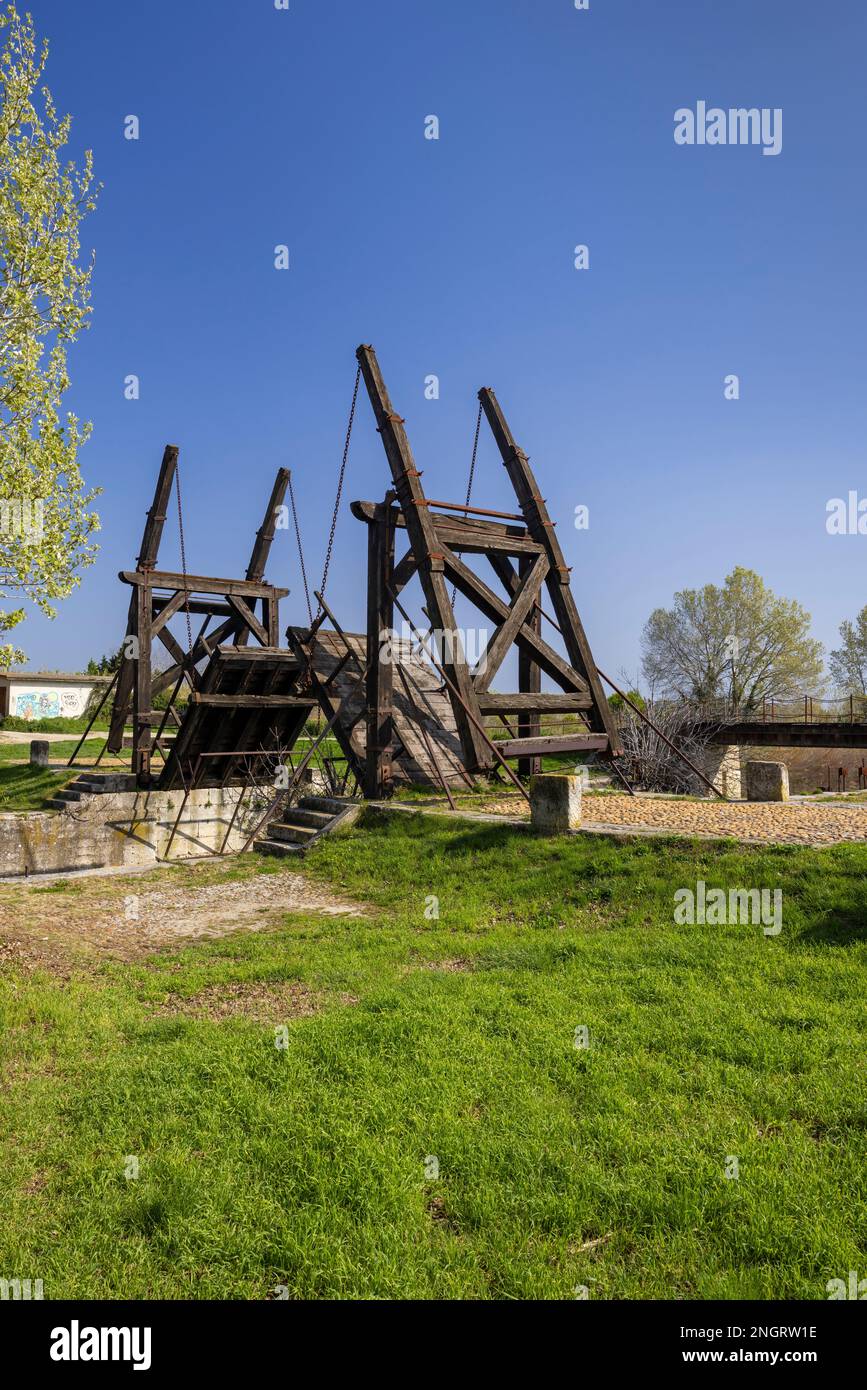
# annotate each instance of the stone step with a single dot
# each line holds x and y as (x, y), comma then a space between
(70, 794)
(332, 804)
(279, 848)
(294, 834)
(300, 815)
(56, 804)
(102, 783)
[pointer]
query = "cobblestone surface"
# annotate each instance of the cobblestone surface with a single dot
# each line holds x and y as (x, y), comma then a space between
(795, 823)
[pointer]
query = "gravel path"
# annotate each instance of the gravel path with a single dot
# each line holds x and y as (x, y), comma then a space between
(130, 917)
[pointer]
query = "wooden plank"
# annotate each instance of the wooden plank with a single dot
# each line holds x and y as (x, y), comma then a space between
(203, 584)
(241, 701)
(553, 743)
(534, 702)
(199, 606)
(364, 511)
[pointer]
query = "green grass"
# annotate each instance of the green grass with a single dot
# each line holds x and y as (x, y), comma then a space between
(24, 788)
(57, 752)
(557, 1167)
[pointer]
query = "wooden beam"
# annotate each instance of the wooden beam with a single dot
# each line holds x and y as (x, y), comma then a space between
(240, 701)
(530, 681)
(141, 709)
(424, 542)
(541, 529)
(163, 612)
(378, 777)
(493, 607)
(150, 544)
(181, 658)
(553, 743)
(534, 702)
(505, 635)
(203, 584)
(249, 620)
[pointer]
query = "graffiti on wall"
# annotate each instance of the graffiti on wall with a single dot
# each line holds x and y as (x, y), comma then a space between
(34, 705)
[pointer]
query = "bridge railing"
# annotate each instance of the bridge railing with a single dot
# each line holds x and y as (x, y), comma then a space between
(803, 709)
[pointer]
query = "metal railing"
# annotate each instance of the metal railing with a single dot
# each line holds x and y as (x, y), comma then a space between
(802, 709)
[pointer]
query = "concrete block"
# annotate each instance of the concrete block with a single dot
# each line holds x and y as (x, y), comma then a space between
(39, 752)
(767, 781)
(555, 802)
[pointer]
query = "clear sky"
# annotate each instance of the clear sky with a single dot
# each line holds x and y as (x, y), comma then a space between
(454, 257)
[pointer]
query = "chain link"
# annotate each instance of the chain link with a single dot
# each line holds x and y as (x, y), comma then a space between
(300, 549)
(183, 557)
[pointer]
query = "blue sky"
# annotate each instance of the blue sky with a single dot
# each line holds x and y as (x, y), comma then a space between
(455, 257)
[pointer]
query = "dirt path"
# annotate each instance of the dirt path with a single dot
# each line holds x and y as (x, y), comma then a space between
(124, 918)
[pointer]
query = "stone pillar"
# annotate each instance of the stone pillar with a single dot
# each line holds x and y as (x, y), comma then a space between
(721, 764)
(555, 802)
(39, 752)
(767, 781)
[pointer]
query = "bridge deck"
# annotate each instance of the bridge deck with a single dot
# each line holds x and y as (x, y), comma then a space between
(780, 733)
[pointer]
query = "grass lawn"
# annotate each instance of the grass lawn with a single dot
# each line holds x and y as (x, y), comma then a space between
(24, 788)
(448, 1044)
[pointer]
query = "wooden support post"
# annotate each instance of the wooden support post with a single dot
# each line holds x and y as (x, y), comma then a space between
(150, 544)
(141, 666)
(428, 551)
(380, 674)
(529, 681)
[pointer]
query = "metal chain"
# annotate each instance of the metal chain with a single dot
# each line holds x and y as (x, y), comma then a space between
(340, 485)
(183, 557)
(300, 549)
(470, 479)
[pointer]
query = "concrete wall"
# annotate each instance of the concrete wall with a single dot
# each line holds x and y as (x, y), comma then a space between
(41, 699)
(125, 828)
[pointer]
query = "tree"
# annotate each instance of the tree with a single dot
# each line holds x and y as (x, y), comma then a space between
(46, 526)
(740, 642)
(848, 664)
(105, 665)
(617, 702)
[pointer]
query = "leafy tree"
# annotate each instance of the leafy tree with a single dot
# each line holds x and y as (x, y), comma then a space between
(740, 641)
(618, 703)
(848, 664)
(46, 526)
